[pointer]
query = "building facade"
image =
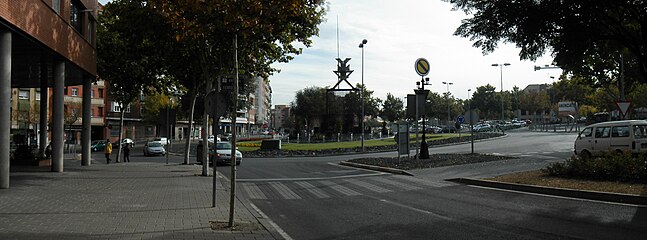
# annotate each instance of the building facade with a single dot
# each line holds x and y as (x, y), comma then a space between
(46, 44)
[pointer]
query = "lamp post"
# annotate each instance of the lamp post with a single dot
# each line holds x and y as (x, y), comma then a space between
(449, 118)
(469, 110)
(361, 93)
(501, 69)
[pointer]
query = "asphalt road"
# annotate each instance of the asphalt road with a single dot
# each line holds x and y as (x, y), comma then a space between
(314, 198)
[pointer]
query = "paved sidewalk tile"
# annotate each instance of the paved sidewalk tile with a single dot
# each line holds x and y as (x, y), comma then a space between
(119, 201)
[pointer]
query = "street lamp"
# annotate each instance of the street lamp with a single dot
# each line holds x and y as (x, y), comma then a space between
(469, 110)
(361, 93)
(449, 118)
(501, 67)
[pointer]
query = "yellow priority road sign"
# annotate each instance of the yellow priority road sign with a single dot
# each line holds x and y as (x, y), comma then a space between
(422, 67)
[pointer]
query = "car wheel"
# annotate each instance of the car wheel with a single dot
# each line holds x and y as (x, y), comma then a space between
(584, 154)
(237, 163)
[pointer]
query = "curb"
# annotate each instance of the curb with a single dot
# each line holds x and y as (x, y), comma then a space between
(375, 168)
(582, 194)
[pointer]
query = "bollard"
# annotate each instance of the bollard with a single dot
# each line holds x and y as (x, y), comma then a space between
(351, 137)
(298, 138)
(338, 137)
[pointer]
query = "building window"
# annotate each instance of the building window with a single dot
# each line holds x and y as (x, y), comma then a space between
(117, 108)
(23, 94)
(56, 5)
(100, 112)
(75, 92)
(76, 16)
(37, 95)
(100, 92)
(92, 94)
(90, 32)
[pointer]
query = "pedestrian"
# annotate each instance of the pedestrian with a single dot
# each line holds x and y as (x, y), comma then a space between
(108, 150)
(127, 152)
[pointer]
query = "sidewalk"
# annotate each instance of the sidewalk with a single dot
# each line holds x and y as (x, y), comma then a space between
(120, 201)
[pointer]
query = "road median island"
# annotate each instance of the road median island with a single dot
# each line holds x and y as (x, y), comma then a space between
(345, 148)
(556, 191)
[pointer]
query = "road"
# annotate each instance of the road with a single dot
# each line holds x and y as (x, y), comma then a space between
(314, 198)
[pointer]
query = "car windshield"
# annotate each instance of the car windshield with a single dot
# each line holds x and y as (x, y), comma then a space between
(96, 142)
(223, 145)
(154, 144)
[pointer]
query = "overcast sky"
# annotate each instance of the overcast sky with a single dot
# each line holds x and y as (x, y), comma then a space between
(398, 33)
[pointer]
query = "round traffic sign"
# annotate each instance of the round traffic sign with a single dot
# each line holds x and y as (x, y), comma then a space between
(422, 67)
(460, 119)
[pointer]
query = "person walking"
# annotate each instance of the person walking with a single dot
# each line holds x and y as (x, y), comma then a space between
(108, 150)
(127, 152)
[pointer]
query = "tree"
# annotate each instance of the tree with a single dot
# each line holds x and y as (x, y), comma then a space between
(534, 102)
(308, 107)
(484, 99)
(586, 37)
(128, 55)
(392, 108)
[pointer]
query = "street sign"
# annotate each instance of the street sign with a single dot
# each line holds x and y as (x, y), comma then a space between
(403, 138)
(422, 67)
(623, 106)
(460, 119)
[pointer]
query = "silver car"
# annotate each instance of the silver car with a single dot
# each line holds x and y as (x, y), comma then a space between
(154, 148)
(223, 154)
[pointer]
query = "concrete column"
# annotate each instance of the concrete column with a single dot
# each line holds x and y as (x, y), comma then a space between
(42, 125)
(87, 120)
(5, 105)
(57, 116)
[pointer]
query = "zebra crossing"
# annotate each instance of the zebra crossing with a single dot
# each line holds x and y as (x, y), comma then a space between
(335, 188)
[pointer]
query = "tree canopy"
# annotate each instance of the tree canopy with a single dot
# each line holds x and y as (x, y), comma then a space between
(586, 37)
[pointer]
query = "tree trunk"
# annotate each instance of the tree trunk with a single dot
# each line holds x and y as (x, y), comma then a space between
(187, 144)
(121, 130)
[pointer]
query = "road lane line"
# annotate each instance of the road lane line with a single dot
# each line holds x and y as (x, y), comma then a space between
(284, 191)
(339, 188)
(312, 189)
(274, 225)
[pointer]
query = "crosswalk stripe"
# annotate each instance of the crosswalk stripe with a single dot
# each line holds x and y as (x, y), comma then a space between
(424, 182)
(284, 191)
(339, 188)
(312, 189)
(368, 186)
(397, 184)
(253, 191)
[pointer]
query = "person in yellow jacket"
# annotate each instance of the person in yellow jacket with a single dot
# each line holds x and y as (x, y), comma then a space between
(108, 150)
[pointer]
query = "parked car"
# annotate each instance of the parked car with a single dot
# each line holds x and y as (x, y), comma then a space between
(449, 129)
(154, 148)
(161, 140)
(482, 128)
(98, 145)
(614, 136)
(124, 141)
(434, 129)
(211, 139)
(223, 154)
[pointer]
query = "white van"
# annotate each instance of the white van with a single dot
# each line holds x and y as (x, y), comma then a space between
(616, 136)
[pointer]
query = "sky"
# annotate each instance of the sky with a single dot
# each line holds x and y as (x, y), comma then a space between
(398, 33)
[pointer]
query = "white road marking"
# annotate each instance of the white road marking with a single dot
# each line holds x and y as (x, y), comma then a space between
(253, 191)
(284, 191)
(310, 179)
(312, 189)
(368, 186)
(341, 189)
(400, 185)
